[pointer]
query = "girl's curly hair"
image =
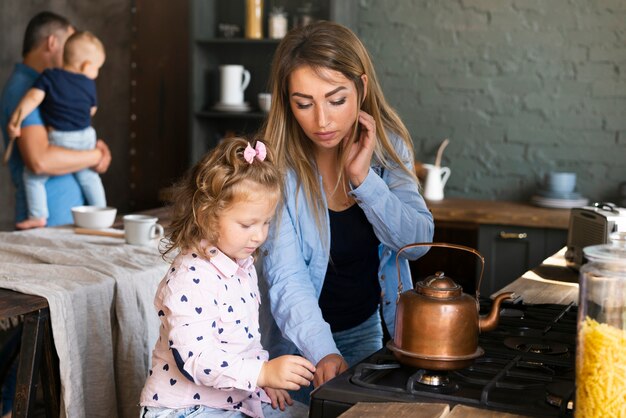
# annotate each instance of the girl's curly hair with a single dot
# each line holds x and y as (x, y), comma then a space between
(212, 185)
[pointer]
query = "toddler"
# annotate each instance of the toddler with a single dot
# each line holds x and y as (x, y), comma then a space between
(67, 97)
(208, 360)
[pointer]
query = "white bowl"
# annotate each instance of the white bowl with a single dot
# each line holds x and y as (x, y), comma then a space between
(93, 216)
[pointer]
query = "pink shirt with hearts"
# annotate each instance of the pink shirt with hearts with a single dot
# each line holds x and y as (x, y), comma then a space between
(209, 349)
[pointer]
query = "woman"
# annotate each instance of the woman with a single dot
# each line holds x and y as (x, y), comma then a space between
(351, 201)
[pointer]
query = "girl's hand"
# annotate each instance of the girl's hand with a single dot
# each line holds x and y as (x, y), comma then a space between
(286, 372)
(280, 398)
(361, 151)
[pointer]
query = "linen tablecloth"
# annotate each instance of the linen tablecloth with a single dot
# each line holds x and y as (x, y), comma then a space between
(100, 291)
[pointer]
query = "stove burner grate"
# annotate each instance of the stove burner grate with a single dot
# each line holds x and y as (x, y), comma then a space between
(556, 392)
(535, 345)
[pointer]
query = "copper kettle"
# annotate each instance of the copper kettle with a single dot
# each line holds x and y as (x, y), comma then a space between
(437, 325)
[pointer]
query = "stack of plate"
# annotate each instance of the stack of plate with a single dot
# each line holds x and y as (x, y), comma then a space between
(550, 199)
(227, 107)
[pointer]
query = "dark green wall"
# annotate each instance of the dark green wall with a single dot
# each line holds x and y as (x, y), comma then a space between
(521, 87)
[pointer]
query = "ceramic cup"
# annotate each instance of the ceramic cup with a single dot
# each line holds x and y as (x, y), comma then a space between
(141, 229)
(234, 80)
(265, 101)
(560, 182)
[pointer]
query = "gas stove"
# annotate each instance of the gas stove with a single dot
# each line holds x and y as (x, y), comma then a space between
(527, 368)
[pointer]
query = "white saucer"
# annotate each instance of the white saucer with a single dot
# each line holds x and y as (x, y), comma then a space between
(559, 203)
(227, 107)
(549, 194)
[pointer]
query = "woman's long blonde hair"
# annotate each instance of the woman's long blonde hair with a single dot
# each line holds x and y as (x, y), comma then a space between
(212, 185)
(326, 45)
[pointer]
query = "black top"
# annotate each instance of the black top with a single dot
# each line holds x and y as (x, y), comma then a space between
(351, 291)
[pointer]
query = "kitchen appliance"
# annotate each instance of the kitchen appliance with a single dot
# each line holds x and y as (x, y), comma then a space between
(528, 369)
(592, 225)
(436, 324)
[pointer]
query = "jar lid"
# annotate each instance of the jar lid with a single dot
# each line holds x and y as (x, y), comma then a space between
(606, 253)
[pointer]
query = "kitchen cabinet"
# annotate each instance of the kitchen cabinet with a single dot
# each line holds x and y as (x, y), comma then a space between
(510, 251)
(209, 50)
(511, 236)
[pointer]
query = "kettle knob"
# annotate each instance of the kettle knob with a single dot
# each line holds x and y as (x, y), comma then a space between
(439, 286)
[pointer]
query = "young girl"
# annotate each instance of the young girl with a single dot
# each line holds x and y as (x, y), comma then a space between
(208, 360)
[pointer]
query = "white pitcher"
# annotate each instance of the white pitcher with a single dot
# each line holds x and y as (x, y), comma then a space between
(436, 178)
(234, 80)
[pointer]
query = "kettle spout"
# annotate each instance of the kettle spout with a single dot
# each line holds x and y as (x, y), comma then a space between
(490, 322)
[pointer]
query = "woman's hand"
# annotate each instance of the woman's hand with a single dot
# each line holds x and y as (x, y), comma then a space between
(360, 153)
(329, 367)
(280, 398)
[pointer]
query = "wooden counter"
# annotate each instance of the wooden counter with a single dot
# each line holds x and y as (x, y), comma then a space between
(496, 212)
(550, 282)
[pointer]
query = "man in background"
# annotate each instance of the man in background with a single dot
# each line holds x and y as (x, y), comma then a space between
(44, 39)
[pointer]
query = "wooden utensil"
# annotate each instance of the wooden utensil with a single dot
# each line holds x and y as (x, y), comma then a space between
(443, 145)
(99, 232)
(9, 150)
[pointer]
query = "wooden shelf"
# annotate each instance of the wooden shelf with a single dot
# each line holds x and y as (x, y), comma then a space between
(237, 41)
(209, 50)
(212, 114)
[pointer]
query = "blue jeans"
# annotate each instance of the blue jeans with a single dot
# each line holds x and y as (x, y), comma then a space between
(297, 410)
(354, 344)
(89, 180)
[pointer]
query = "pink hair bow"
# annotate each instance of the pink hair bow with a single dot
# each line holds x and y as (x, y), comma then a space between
(258, 151)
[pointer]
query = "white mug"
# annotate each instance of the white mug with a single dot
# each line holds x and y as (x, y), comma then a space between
(234, 80)
(141, 229)
(436, 178)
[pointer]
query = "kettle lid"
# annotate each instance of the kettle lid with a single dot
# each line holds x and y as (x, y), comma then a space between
(439, 286)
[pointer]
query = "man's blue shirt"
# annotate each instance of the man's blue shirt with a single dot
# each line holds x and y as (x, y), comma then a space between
(63, 191)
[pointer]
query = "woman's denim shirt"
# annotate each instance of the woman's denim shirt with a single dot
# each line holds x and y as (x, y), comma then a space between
(295, 257)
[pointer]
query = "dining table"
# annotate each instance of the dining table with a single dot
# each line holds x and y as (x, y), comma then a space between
(100, 293)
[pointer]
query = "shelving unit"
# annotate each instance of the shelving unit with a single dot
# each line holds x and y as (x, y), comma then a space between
(208, 51)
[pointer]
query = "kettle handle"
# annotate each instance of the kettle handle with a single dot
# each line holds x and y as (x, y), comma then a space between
(444, 245)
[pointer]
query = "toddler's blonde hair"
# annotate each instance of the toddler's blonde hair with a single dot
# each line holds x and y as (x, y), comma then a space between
(81, 46)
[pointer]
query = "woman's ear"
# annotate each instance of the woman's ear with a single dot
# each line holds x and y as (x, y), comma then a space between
(364, 81)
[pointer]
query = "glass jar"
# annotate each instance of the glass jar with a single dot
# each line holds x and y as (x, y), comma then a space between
(305, 15)
(601, 344)
(277, 23)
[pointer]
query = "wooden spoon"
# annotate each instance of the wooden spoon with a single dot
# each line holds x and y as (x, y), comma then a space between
(443, 145)
(99, 232)
(9, 150)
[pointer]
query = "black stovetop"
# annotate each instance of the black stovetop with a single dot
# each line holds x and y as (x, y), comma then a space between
(527, 368)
